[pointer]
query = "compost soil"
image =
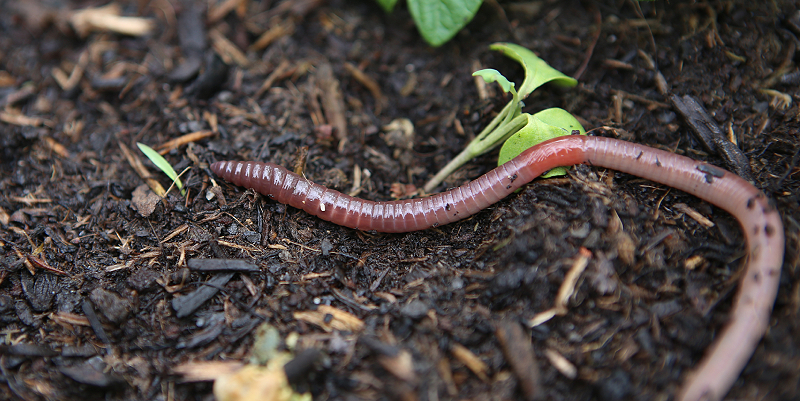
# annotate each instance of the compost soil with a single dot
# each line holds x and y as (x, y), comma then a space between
(109, 291)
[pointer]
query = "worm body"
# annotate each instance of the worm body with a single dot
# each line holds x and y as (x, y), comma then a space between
(759, 219)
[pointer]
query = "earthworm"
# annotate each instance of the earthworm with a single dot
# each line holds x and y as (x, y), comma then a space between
(760, 222)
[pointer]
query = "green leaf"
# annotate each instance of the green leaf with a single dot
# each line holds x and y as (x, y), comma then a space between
(490, 75)
(537, 71)
(439, 20)
(387, 5)
(162, 164)
(544, 125)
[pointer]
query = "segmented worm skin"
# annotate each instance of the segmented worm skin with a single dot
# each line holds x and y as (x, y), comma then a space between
(760, 221)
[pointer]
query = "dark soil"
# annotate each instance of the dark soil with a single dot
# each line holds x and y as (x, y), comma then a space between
(96, 300)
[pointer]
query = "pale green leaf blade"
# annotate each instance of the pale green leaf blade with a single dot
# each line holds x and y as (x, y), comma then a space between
(387, 5)
(537, 71)
(544, 125)
(491, 75)
(439, 20)
(562, 119)
(161, 163)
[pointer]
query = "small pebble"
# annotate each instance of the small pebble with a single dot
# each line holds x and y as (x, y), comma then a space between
(415, 309)
(666, 117)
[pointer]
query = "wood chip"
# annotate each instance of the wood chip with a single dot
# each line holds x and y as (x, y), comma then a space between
(275, 32)
(227, 50)
(400, 365)
(565, 291)
(187, 304)
(107, 18)
(278, 72)
(141, 170)
(176, 232)
(218, 11)
(94, 322)
(56, 147)
(332, 101)
(471, 361)
(369, 83)
(233, 265)
(693, 262)
(446, 373)
(27, 91)
(561, 364)
(300, 161)
(518, 350)
(205, 371)
(29, 199)
(166, 147)
(330, 318)
(4, 217)
(14, 118)
(684, 208)
(7, 80)
(67, 318)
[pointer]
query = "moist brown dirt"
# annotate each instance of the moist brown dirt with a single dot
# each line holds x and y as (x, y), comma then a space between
(93, 294)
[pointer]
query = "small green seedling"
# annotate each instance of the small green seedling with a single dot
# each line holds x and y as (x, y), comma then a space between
(162, 164)
(438, 20)
(546, 124)
(516, 130)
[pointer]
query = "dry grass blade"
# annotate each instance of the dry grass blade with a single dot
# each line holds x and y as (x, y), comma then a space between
(141, 170)
(166, 147)
(565, 291)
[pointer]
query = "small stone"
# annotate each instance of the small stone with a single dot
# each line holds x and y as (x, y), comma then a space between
(415, 309)
(142, 279)
(326, 247)
(666, 117)
(114, 307)
(251, 236)
(144, 200)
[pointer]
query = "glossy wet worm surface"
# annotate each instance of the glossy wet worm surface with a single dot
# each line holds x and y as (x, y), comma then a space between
(759, 219)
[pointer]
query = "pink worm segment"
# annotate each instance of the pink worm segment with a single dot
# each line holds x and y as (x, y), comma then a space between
(760, 221)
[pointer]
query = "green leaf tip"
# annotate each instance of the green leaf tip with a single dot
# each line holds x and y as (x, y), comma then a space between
(491, 75)
(544, 125)
(387, 5)
(162, 165)
(537, 71)
(439, 20)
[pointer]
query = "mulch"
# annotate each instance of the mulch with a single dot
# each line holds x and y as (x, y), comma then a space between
(115, 285)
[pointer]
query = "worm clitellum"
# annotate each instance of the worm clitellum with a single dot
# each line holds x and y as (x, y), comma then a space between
(760, 221)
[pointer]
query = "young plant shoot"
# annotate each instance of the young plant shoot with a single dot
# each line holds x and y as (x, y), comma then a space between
(162, 164)
(514, 129)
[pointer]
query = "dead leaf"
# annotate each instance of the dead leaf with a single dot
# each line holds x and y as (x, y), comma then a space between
(144, 200)
(254, 383)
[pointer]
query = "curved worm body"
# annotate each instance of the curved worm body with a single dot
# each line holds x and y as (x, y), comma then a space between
(759, 219)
